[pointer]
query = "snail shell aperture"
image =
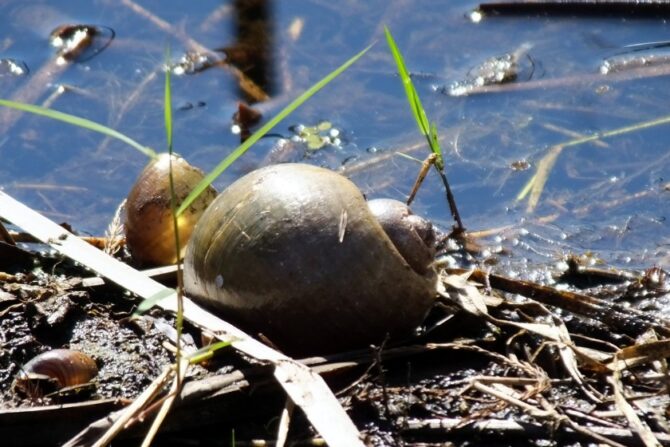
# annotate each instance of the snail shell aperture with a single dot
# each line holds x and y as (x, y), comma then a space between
(293, 251)
(148, 225)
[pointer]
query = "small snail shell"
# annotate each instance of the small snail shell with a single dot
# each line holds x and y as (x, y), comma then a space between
(62, 367)
(148, 224)
(293, 251)
(412, 235)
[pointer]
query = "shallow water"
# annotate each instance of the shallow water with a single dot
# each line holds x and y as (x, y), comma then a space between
(609, 200)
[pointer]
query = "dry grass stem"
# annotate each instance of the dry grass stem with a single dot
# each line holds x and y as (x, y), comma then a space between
(306, 388)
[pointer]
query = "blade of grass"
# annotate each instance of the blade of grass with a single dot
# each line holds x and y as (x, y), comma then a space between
(412, 96)
(535, 184)
(153, 300)
(430, 132)
(207, 352)
(79, 122)
(167, 100)
(179, 323)
(209, 178)
(526, 188)
(427, 129)
(435, 142)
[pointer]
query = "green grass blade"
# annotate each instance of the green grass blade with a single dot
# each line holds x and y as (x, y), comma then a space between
(412, 96)
(430, 132)
(535, 185)
(152, 300)
(526, 189)
(167, 99)
(206, 352)
(435, 145)
(79, 122)
(167, 113)
(209, 178)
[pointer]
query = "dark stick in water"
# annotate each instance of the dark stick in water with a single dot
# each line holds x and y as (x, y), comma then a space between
(578, 7)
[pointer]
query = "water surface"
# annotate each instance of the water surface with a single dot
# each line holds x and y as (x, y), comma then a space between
(610, 200)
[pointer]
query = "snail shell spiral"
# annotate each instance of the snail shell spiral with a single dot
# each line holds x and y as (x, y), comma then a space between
(293, 252)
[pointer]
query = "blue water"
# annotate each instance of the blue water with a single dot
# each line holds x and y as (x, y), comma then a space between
(607, 200)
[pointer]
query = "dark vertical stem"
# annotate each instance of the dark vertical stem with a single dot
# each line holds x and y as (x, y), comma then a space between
(253, 51)
(452, 202)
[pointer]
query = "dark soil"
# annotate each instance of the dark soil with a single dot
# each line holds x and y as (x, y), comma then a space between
(43, 312)
(469, 380)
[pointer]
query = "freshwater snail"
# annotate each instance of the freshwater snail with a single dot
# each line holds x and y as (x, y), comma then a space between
(294, 252)
(54, 370)
(148, 225)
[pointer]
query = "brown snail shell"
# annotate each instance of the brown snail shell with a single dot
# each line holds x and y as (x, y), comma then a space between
(292, 251)
(412, 235)
(60, 367)
(148, 225)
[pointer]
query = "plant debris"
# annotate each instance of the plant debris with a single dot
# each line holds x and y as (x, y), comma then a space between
(504, 361)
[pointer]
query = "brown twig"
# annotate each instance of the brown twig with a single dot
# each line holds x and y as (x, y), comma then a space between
(509, 429)
(577, 8)
(423, 171)
(626, 320)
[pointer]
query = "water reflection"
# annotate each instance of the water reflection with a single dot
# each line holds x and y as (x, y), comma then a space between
(254, 47)
(79, 43)
(608, 195)
(13, 67)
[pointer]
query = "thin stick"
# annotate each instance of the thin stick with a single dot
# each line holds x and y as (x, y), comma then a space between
(531, 410)
(167, 404)
(284, 423)
(572, 134)
(627, 320)
(306, 388)
(643, 431)
(460, 229)
(577, 7)
(423, 171)
(146, 396)
(507, 428)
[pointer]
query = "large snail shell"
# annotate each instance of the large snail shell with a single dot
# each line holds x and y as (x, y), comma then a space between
(64, 367)
(292, 251)
(149, 227)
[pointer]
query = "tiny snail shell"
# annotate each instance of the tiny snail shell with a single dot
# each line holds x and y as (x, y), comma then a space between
(293, 251)
(61, 367)
(148, 224)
